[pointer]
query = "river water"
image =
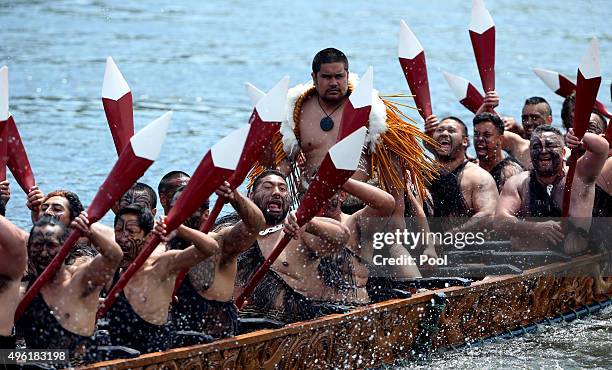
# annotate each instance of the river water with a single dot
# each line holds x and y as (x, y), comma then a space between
(193, 57)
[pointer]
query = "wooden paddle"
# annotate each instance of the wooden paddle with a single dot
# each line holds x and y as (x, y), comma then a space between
(117, 102)
(482, 35)
(412, 59)
(588, 81)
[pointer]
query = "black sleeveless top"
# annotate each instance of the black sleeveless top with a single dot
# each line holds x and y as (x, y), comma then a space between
(496, 172)
(40, 329)
(195, 313)
(540, 203)
(446, 193)
(128, 329)
(602, 206)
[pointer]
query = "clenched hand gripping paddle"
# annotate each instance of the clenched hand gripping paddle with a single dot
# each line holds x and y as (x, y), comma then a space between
(412, 59)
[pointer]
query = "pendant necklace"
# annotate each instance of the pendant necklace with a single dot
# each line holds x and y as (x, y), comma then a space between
(327, 123)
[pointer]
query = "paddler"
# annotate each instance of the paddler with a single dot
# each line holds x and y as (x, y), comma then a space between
(539, 193)
(488, 137)
(139, 317)
(292, 290)
(62, 315)
(205, 299)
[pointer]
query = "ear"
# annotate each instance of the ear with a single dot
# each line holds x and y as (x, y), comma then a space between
(549, 119)
(154, 212)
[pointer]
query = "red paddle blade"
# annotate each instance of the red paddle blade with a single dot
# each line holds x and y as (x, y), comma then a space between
(482, 35)
(412, 59)
(555, 81)
(139, 154)
(465, 92)
(12, 151)
(356, 111)
(117, 101)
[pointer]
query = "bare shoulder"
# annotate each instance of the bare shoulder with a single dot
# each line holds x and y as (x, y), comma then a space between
(476, 175)
(518, 180)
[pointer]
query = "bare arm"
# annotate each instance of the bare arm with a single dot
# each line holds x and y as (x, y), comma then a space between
(332, 234)
(589, 166)
(508, 224)
(100, 270)
(35, 198)
(5, 196)
(203, 247)
(379, 202)
(239, 237)
(13, 251)
(514, 144)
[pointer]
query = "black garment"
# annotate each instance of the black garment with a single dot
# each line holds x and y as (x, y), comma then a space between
(540, 203)
(128, 329)
(296, 307)
(8, 342)
(193, 312)
(601, 227)
(41, 330)
(496, 171)
(602, 206)
(448, 200)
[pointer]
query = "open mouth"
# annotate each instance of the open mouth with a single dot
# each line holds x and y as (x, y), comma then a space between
(275, 205)
(545, 159)
(445, 144)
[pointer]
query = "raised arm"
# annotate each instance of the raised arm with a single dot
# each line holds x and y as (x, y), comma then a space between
(34, 202)
(13, 251)
(203, 246)
(378, 202)
(101, 269)
(589, 166)
(239, 237)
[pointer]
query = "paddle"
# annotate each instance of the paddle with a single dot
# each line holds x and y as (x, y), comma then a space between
(117, 101)
(466, 93)
(140, 153)
(260, 135)
(15, 156)
(482, 35)
(564, 87)
(412, 59)
(262, 128)
(4, 117)
(217, 165)
(339, 164)
(588, 81)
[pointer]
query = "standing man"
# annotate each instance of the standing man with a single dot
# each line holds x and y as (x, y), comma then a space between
(488, 137)
(539, 194)
(312, 126)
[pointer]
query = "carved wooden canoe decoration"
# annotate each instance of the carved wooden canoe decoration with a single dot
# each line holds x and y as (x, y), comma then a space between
(384, 332)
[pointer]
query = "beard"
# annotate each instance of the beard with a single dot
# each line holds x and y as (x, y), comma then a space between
(275, 218)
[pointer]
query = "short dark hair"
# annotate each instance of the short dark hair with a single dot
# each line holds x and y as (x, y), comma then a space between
(164, 184)
(490, 117)
(329, 55)
(74, 203)
(144, 188)
(2, 208)
(453, 118)
(264, 174)
(547, 128)
(602, 118)
(567, 117)
(534, 100)
(146, 221)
